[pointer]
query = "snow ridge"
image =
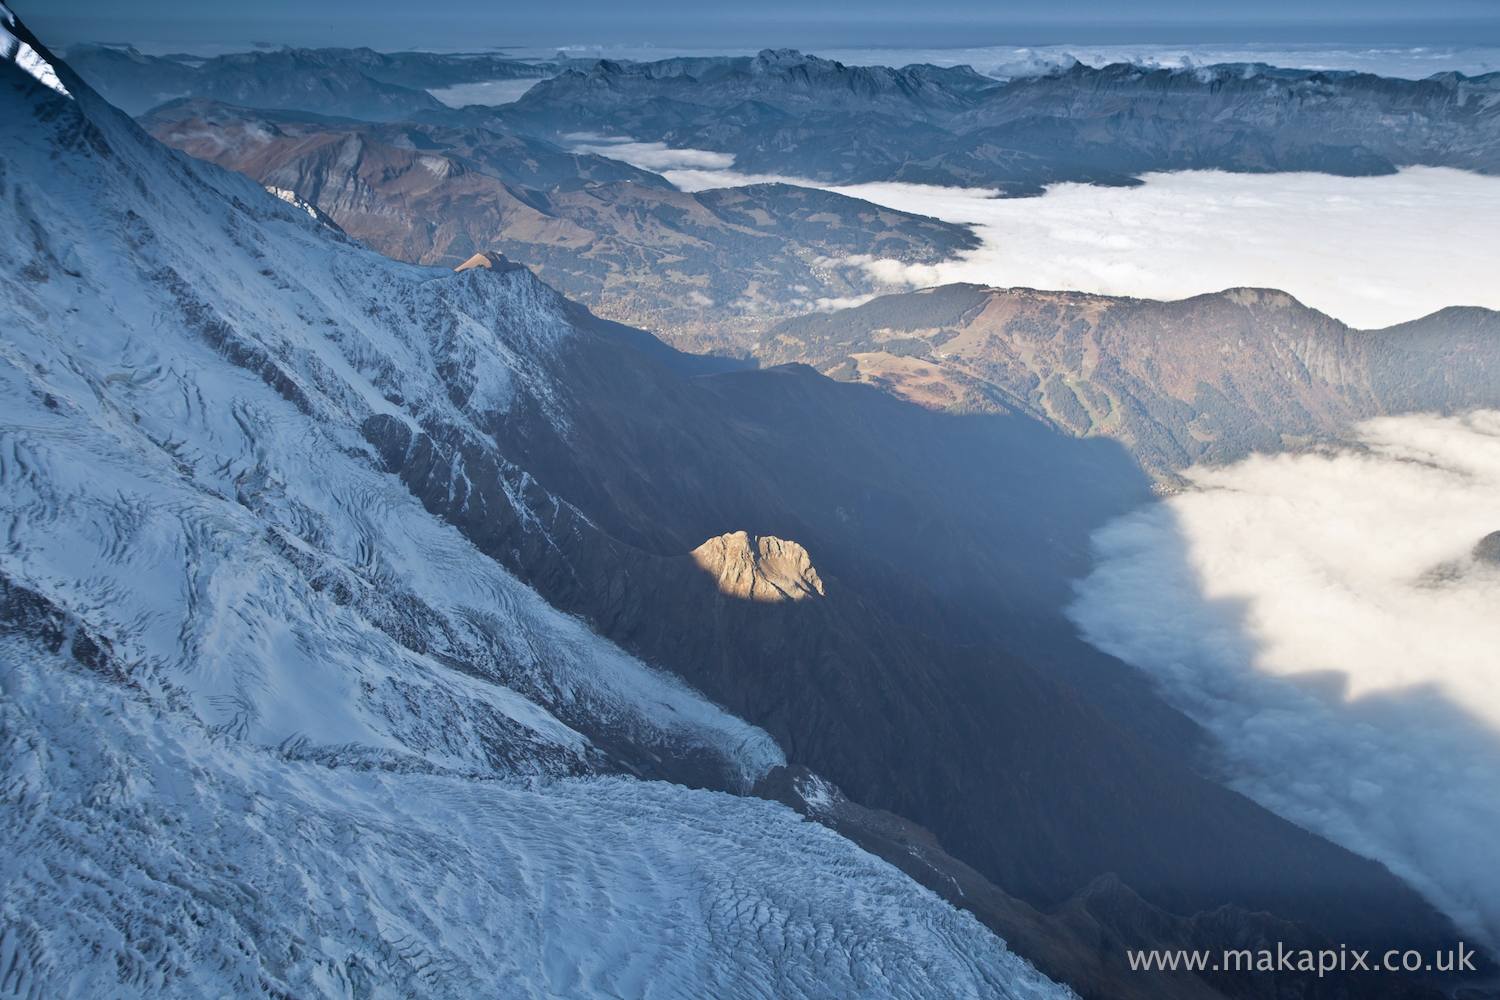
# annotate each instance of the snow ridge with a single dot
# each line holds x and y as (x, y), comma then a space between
(26, 57)
(267, 726)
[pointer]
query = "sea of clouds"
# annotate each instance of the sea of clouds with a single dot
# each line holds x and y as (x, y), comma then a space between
(1372, 251)
(1321, 615)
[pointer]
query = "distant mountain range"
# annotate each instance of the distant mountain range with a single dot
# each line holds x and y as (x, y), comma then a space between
(799, 115)
(355, 83)
(814, 118)
(352, 133)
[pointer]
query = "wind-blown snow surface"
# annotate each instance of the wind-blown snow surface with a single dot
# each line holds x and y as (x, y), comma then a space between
(1323, 616)
(266, 725)
(145, 856)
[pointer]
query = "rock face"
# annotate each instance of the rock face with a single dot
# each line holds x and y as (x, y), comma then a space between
(491, 259)
(766, 568)
(1488, 549)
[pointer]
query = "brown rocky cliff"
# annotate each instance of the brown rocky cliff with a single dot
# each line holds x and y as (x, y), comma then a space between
(491, 259)
(763, 568)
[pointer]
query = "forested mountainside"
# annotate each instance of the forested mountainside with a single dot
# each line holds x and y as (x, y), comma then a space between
(1205, 379)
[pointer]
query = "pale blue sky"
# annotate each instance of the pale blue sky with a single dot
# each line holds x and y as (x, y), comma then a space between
(709, 25)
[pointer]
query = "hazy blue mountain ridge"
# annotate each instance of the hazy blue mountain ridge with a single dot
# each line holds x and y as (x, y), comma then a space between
(1227, 116)
(793, 114)
(356, 83)
(1115, 122)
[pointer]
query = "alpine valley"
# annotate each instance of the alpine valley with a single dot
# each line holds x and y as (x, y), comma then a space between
(371, 628)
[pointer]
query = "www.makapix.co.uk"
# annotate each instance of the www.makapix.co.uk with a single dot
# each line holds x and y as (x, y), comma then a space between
(1304, 960)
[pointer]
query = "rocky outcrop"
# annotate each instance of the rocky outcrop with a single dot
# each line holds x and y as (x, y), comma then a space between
(491, 259)
(761, 568)
(290, 197)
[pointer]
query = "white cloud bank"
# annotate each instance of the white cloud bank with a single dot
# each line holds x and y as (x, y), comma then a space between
(489, 92)
(1371, 251)
(688, 169)
(1322, 617)
(650, 155)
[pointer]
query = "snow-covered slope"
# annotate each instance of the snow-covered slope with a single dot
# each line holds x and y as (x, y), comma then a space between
(267, 726)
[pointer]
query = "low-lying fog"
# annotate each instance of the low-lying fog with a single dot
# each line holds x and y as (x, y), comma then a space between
(1323, 617)
(1371, 251)
(489, 92)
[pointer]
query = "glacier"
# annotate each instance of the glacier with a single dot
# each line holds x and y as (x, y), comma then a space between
(268, 727)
